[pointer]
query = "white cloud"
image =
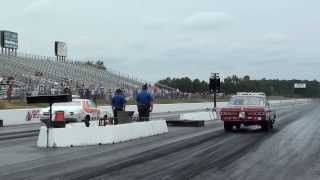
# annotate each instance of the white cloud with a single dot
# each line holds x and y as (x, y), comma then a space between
(275, 38)
(156, 23)
(208, 20)
(36, 5)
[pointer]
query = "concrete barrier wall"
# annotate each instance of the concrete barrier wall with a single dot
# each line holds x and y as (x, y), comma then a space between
(29, 116)
(78, 135)
(19, 116)
(199, 116)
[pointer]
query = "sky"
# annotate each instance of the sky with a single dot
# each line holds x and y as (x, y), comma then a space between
(153, 39)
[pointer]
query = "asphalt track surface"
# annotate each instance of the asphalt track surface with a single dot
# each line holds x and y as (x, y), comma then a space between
(290, 151)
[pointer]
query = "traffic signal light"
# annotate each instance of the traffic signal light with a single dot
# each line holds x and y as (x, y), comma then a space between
(214, 85)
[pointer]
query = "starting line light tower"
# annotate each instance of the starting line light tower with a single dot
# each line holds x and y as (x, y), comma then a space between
(214, 86)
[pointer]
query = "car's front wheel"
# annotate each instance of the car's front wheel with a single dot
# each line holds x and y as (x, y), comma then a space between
(87, 121)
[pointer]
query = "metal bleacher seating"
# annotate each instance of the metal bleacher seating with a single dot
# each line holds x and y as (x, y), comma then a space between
(24, 68)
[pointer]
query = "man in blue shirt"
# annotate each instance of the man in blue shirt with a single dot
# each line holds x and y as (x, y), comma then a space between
(118, 104)
(145, 103)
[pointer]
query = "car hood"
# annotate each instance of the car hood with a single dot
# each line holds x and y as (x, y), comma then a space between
(63, 108)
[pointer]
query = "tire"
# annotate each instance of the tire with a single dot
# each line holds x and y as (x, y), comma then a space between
(271, 125)
(266, 126)
(87, 121)
(238, 126)
(227, 127)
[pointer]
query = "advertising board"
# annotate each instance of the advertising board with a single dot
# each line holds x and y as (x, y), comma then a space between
(61, 49)
(300, 85)
(9, 39)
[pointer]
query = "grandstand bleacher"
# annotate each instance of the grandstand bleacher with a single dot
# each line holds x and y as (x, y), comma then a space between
(40, 75)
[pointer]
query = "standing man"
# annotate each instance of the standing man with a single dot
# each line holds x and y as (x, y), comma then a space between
(9, 92)
(145, 103)
(118, 104)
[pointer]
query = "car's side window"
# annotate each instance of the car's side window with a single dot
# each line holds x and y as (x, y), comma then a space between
(91, 104)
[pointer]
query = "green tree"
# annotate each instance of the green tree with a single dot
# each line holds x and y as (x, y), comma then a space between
(100, 65)
(234, 84)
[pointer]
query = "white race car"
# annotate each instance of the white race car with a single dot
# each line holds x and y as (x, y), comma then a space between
(79, 110)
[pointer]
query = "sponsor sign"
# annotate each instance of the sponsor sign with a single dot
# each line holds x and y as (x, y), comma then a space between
(300, 85)
(61, 49)
(33, 115)
(9, 39)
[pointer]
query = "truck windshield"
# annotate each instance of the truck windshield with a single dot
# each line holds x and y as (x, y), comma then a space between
(247, 101)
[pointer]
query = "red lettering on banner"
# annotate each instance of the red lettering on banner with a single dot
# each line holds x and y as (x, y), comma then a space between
(33, 115)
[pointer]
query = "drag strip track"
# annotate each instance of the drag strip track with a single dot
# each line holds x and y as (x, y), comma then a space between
(18, 134)
(193, 156)
(184, 153)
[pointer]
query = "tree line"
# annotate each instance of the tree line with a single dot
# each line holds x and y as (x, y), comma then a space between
(185, 84)
(233, 84)
(98, 64)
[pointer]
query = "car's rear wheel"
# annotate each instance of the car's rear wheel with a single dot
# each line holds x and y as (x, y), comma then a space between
(227, 127)
(87, 121)
(266, 126)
